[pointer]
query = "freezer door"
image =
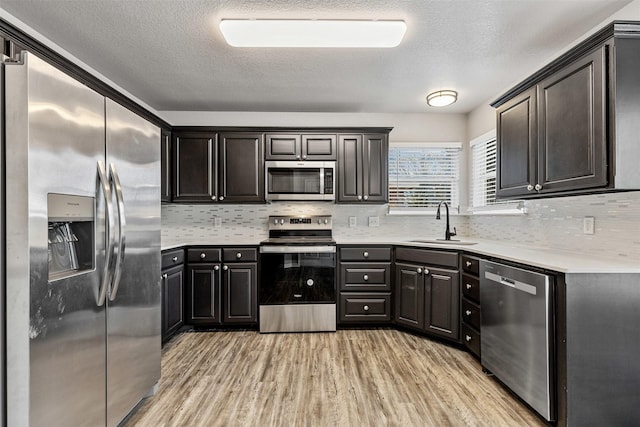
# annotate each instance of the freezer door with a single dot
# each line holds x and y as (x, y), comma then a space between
(55, 328)
(133, 315)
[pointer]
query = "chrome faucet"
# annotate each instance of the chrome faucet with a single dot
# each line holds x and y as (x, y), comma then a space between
(447, 233)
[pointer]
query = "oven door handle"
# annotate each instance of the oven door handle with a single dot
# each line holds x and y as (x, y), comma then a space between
(297, 249)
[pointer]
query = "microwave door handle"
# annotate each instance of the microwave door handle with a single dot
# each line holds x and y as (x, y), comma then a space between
(122, 223)
(321, 180)
(110, 241)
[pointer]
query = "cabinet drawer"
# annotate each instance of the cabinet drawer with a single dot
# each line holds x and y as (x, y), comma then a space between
(239, 254)
(471, 287)
(365, 254)
(365, 276)
(359, 307)
(428, 257)
(203, 255)
(172, 257)
(471, 313)
(471, 339)
(470, 265)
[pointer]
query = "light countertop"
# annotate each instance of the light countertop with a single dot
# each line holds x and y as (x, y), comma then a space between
(546, 258)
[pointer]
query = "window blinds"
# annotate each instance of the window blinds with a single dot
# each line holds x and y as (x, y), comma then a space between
(421, 176)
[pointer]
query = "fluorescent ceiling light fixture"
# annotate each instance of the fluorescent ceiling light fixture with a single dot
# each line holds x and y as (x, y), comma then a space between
(442, 98)
(312, 33)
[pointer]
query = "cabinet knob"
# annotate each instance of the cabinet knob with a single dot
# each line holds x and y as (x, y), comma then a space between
(216, 267)
(365, 308)
(468, 286)
(298, 157)
(538, 187)
(221, 198)
(419, 270)
(366, 197)
(359, 197)
(174, 259)
(529, 187)
(203, 255)
(426, 270)
(468, 338)
(239, 255)
(468, 312)
(365, 254)
(225, 268)
(468, 263)
(164, 276)
(304, 157)
(365, 277)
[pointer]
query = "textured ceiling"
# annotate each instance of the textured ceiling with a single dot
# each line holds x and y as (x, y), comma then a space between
(171, 55)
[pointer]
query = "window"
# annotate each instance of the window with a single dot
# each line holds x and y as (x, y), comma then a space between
(483, 179)
(422, 175)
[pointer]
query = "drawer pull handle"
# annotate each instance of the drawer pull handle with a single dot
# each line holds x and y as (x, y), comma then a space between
(366, 254)
(174, 259)
(468, 338)
(203, 255)
(468, 286)
(239, 255)
(468, 263)
(468, 312)
(365, 277)
(366, 308)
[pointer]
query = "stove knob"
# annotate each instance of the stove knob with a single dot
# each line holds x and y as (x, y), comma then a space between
(275, 221)
(319, 221)
(326, 221)
(282, 222)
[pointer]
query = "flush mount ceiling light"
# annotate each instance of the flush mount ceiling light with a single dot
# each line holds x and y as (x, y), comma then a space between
(442, 98)
(312, 33)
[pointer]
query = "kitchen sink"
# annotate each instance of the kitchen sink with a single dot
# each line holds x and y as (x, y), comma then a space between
(443, 241)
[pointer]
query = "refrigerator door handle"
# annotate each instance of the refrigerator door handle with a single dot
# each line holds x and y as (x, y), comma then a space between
(110, 242)
(122, 223)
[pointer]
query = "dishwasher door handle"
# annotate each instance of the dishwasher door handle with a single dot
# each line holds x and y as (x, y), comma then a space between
(515, 284)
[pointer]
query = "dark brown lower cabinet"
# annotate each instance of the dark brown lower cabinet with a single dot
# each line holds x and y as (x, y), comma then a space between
(173, 279)
(224, 290)
(428, 297)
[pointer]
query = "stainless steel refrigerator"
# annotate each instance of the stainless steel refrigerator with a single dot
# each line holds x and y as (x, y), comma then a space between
(82, 251)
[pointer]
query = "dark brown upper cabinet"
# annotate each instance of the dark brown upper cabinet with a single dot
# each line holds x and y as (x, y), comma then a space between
(227, 168)
(363, 168)
(285, 146)
(571, 128)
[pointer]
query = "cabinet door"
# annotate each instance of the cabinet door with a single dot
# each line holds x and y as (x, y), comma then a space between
(165, 162)
(203, 296)
(375, 170)
(517, 146)
(194, 167)
(409, 296)
(318, 147)
(240, 293)
(350, 168)
(282, 147)
(241, 168)
(442, 303)
(173, 303)
(572, 126)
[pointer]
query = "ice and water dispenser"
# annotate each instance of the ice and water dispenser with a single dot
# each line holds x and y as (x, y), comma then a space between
(71, 234)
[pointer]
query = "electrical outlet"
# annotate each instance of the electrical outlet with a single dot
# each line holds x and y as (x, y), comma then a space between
(217, 222)
(374, 221)
(589, 225)
(353, 222)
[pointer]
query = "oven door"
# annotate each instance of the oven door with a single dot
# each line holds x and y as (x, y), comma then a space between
(294, 274)
(287, 180)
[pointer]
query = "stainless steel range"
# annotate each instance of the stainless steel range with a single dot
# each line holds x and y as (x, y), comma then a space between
(298, 275)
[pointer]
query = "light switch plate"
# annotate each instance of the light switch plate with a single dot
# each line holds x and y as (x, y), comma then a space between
(589, 225)
(374, 221)
(217, 222)
(353, 222)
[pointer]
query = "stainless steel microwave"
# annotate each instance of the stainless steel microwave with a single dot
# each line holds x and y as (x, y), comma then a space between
(293, 180)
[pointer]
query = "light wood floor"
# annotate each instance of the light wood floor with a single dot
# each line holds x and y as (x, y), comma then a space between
(379, 377)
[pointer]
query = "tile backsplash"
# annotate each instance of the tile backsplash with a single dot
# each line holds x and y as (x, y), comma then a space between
(549, 223)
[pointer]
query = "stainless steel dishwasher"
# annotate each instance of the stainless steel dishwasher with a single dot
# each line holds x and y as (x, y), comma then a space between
(518, 333)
